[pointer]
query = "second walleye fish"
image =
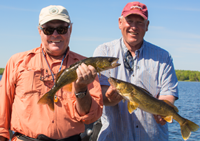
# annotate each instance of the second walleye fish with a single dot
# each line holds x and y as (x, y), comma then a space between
(140, 98)
(69, 75)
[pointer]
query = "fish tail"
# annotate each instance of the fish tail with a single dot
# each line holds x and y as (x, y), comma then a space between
(187, 127)
(47, 98)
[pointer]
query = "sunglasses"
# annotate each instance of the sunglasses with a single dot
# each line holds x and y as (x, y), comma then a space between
(50, 30)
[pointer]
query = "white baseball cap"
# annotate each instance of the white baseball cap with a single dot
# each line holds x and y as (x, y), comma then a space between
(53, 12)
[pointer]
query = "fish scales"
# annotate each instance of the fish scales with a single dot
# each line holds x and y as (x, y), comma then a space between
(69, 75)
(140, 98)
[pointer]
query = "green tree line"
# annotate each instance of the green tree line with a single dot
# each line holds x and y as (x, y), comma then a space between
(187, 75)
(1, 71)
(182, 75)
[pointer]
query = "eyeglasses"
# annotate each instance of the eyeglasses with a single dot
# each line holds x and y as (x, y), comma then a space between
(50, 30)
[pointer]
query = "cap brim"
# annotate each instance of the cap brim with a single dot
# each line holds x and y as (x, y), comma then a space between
(125, 14)
(54, 18)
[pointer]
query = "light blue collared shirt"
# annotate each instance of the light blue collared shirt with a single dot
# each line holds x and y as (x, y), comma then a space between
(154, 71)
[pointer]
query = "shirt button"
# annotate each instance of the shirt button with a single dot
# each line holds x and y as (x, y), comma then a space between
(136, 126)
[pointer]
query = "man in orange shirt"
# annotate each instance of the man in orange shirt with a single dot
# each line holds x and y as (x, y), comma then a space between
(29, 75)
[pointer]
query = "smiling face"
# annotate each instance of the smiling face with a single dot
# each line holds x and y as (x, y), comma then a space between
(55, 44)
(133, 28)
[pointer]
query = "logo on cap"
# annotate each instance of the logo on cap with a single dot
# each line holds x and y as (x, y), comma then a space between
(53, 10)
(136, 7)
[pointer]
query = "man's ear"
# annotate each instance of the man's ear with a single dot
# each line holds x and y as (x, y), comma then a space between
(120, 22)
(147, 25)
(39, 30)
(70, 28)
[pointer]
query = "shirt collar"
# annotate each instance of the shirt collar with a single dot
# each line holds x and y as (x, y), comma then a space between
(137, 52)
(67, 51)
(125, 49)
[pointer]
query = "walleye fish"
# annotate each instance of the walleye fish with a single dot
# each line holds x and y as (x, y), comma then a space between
(67, 76)
(140, 98)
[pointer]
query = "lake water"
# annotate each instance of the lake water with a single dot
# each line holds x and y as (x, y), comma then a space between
(189, 107)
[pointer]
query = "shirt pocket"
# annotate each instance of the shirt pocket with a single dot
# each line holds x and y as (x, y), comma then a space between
(29, 81)
(28, 90)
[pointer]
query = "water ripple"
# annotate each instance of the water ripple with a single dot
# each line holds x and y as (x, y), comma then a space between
(188, 105)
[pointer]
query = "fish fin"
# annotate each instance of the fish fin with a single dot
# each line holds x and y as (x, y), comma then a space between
(59, 74)
(146, 91)
(169, 119)
(132, 106)
(47, 99)
(170, 104)
(68, 87)
(99, 74)
(187, 127)
(55, 99)
(98, 69)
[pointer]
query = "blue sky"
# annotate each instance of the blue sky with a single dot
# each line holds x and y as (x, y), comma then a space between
(174, 26)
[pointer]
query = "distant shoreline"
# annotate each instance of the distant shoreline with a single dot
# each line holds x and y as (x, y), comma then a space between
(1, 71)
(182, 75)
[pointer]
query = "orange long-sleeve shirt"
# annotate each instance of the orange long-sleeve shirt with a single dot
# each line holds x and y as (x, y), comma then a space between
(21, 88)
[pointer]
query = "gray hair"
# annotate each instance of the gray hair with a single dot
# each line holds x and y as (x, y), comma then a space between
(121, 17)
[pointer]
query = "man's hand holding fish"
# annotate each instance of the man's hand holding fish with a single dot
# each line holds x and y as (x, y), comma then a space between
(85, 75)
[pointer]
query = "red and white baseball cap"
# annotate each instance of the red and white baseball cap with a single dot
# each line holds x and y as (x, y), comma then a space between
(135, 8)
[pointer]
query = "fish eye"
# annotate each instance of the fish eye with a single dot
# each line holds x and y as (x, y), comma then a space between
(109, 59)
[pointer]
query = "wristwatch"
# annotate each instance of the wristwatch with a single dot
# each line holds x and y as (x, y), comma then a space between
(81, 94)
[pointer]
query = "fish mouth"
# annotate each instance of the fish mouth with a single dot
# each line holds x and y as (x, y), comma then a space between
(115, 64)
